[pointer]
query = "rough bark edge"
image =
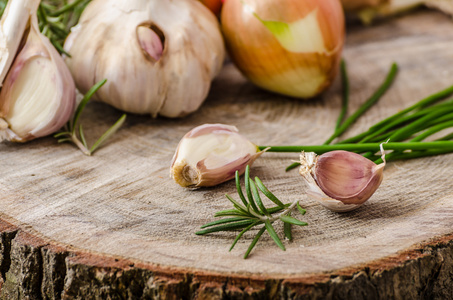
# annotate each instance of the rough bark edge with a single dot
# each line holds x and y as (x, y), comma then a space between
(33, 268)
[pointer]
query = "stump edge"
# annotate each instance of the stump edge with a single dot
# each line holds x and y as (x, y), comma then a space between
(35, 268)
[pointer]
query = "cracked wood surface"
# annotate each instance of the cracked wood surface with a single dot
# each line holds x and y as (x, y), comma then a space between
(113, 226)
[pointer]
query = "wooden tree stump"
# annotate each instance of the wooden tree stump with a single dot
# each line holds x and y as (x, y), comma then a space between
(115, 226)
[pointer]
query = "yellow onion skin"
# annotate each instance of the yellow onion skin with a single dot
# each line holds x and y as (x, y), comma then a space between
(260, 56)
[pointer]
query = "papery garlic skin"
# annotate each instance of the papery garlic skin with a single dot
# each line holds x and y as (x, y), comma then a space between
(38, 94)
(340, 180)
(211, 154)
(297, 54)
(14, 21)
(111, 41)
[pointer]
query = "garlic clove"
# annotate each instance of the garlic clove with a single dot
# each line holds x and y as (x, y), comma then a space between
(340, 180)
(38, 94)
(150, 41)
(210, 154)
(351, 179)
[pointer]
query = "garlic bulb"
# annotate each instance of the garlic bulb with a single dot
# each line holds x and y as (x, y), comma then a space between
(211, 154)
(38, 93)
(288, 47)
(158, 57)
(340, 180)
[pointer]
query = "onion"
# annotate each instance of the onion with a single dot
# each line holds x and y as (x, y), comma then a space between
(291, 47)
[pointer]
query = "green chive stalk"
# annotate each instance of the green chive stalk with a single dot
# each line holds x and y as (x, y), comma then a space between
(367, 105)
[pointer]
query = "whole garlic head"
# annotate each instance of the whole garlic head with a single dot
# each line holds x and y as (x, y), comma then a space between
(340, 180)
(211, 154)
(159, 57)
(38, 94)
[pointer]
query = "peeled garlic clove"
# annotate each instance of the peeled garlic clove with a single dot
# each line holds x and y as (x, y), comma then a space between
(38, 94)
(210, 154)
(159, 57)
(340, 180)
(288, 47)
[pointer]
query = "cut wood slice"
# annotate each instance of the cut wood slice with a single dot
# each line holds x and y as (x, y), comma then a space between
(115, 226)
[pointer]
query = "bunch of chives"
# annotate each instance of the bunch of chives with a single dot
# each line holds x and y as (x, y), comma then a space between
(405, 132)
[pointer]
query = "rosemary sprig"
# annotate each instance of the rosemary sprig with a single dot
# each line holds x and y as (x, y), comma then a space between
(252, 212)
(74, 133)
(56, 18)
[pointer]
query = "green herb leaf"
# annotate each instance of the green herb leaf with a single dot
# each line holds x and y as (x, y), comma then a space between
(80, 141)
(345, 98)
(300, 209)
(258, 198)
(108, 133)
(226, 227)
(267, 193)
(287, 230)
(239, 189)
(230, 212)
(236, 204)
(292, 166)
(255, 240)
(223, 221)
(242, 233)
(84, 102)
(248, 190)
(270, 229)
(82, 136)
(291, 220)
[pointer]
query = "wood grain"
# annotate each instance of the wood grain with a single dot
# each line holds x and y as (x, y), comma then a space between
(114, 225)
